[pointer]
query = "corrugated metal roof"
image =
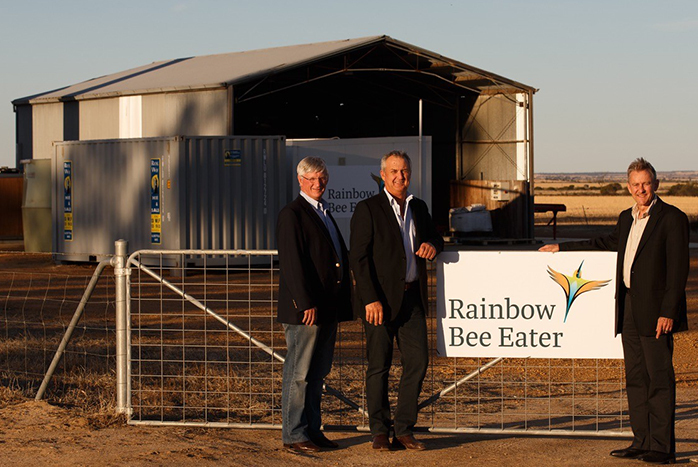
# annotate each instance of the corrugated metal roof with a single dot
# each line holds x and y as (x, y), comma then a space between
(217, 71)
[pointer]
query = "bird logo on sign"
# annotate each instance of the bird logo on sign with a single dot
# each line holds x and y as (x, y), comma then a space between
(574, 285)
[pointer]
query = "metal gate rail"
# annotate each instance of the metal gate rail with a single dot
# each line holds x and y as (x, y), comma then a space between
(188, 372)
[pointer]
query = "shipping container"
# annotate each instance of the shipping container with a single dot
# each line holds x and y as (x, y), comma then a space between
(180, 192)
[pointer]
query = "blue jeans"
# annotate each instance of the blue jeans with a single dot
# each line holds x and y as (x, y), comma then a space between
(308, 361)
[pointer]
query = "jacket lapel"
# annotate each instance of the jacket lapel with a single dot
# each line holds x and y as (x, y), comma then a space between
(418, 221)
(309, 211)
(393, 223)
(656, 214)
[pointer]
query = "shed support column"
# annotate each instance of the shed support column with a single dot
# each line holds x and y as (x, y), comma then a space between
(229, 113)
(531, 166)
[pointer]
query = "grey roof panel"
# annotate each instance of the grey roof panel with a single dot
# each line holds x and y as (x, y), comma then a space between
(216, 71)
(207, 71)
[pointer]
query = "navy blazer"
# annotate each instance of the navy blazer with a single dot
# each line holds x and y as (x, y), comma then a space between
(377, 255)
(659, 271)
(311, 273)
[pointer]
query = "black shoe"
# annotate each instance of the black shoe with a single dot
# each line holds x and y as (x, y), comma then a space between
(629, 453)
(321, 441)
(656, 457)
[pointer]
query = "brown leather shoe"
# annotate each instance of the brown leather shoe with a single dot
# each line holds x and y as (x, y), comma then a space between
(321, 441)
(410, 442)
(303, 447)
(381, 443)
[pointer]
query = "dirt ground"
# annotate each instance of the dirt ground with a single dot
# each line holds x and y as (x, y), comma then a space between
(37, 433)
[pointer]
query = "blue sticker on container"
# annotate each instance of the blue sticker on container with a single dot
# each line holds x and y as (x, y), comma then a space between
(155, 201)
(67, 201)
(232, 158)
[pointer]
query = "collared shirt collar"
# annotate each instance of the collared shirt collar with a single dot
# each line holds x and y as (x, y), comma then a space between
(635, 210)
(321, 205)
(392, 200)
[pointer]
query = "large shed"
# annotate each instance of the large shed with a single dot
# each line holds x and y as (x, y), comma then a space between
(480, 123)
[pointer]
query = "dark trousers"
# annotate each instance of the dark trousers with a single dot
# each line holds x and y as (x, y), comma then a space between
(410, 331)
(651, 386)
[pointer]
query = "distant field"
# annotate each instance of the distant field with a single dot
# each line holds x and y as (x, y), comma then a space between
(543, 185)
(598, 209)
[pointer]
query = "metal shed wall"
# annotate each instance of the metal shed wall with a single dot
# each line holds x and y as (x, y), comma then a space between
(489, 140)
(47, 124)
(201, 113)
(99, 119)
(185, 113)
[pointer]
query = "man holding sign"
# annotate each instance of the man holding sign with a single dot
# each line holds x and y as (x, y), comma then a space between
(651, 240)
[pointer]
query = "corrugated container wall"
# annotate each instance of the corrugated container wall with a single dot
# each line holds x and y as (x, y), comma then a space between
(167, 193)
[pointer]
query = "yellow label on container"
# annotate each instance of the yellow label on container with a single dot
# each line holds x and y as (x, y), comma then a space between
(155, 223)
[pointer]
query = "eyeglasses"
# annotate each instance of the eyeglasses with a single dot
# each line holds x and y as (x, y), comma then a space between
(321, 180)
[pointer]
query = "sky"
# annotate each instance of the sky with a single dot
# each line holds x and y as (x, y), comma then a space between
(616, 79)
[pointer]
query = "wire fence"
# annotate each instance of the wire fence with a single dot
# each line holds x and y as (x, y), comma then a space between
(206, 350)
(35, 311)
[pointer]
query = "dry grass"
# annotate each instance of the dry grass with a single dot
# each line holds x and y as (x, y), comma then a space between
(604, 209)
(592, 185)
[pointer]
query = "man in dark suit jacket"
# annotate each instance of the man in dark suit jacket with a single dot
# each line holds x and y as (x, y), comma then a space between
(651, 240)
(391, 236)
(314, 295)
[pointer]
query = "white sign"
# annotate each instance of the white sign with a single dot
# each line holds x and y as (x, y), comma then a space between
(527, 304)
(350, 184)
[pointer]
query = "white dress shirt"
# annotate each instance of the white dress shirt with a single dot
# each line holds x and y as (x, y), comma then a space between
(408, 234)
(639, 223)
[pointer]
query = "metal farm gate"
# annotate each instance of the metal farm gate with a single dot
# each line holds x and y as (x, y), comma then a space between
(203, 348)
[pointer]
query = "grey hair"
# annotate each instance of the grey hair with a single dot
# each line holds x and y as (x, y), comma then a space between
(311, 164)
(401, 154)
(640, 164)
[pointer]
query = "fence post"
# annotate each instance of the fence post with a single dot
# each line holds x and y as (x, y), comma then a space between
(120, 278)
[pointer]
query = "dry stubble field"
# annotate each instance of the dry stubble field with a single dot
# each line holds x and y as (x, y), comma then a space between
(585, 210)
(34, 433)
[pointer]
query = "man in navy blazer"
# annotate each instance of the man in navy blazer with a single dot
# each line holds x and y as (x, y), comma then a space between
(391, 237)
(314, 295)
(651, 240)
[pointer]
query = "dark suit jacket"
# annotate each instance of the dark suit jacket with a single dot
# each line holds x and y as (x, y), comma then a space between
(659, 271)
(377, 255)
(310, 271)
